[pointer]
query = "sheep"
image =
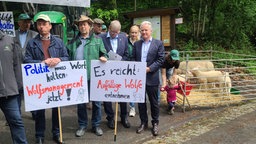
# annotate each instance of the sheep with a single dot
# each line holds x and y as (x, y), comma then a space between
(205, 77)
(227, 83)
(202, 65)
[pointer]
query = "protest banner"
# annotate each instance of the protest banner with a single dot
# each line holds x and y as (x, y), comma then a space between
(118, 81)
(7, 23)
(76, 3)
(63, 85)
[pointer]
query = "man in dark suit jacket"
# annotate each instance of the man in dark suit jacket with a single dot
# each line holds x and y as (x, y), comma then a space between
(151, 51)
(118, 43)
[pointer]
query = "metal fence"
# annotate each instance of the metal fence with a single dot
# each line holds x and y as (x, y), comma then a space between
(239, 68)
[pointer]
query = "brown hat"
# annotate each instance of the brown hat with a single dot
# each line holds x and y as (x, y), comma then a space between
(84, 18)
(98, 21)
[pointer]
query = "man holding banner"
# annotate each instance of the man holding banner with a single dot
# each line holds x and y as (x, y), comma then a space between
(87, 46)
(151, 51)
(50, 50)
(116, 43)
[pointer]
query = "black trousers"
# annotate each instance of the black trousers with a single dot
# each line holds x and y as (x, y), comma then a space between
(152, 92)
(110, 113)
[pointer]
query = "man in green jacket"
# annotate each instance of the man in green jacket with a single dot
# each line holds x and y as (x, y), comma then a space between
(87, 46)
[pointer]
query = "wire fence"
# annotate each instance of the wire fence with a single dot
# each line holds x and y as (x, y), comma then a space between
(217, 78)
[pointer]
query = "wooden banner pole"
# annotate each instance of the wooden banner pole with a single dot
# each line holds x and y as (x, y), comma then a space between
(60, 125)
(116, 113)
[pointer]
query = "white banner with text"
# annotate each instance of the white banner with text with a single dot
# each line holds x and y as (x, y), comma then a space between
(118, 81)
(45, 87)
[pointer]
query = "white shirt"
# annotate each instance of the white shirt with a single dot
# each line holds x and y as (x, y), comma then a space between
(144, 50)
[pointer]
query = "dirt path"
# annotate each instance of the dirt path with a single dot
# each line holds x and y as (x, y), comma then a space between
(220, 127)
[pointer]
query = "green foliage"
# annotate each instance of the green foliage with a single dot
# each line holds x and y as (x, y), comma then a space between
(106, 15)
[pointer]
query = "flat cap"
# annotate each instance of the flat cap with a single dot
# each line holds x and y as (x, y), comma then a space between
(98, 21)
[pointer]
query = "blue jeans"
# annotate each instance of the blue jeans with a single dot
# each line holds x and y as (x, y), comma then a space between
(132, 104)
(83, 116)
(40, 123)
(82, 113)
(10, 107)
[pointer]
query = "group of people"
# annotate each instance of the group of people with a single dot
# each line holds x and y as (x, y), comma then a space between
(89, 44)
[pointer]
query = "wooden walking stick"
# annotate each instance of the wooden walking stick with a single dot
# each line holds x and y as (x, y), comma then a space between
(116, 113)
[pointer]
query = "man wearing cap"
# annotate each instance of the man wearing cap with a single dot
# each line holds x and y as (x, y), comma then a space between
(171, 63)
(87, 46)
(23, 35)
(97, 26)
(48, 49)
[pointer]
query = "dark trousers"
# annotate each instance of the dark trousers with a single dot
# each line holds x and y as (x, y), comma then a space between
(40, 123)
(171, 105)
(110, 113)
(152, 92)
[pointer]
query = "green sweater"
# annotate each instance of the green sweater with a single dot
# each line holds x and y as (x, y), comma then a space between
(93, 50)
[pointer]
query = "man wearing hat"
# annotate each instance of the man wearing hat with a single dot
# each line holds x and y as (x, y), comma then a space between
(87, 46)
(97, 26)
(171, 63)
(48, 49)
(23, 35)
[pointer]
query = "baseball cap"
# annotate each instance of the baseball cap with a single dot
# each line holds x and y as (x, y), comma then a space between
(24, 16)
(104, 27)
(174, 54)
(43, 17)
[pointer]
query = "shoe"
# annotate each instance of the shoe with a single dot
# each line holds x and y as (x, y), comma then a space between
(125, 123)
(39, 140)
(141, 128)
(132, 112)
(155, 129)
(80, 132)
(56, 139)
(171, 111)
(111, 124)
(98, 131)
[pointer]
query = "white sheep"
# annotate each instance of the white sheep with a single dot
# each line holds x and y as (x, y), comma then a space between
(203, 65)
(227, 83)
(205, 77)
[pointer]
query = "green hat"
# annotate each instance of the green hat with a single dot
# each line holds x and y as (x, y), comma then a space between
(104, 27)
(24, 16)
(174, 54)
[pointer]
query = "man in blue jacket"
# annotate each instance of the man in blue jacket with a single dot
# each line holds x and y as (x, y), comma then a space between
(118, 43)
(50, 50)
(151, 51)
